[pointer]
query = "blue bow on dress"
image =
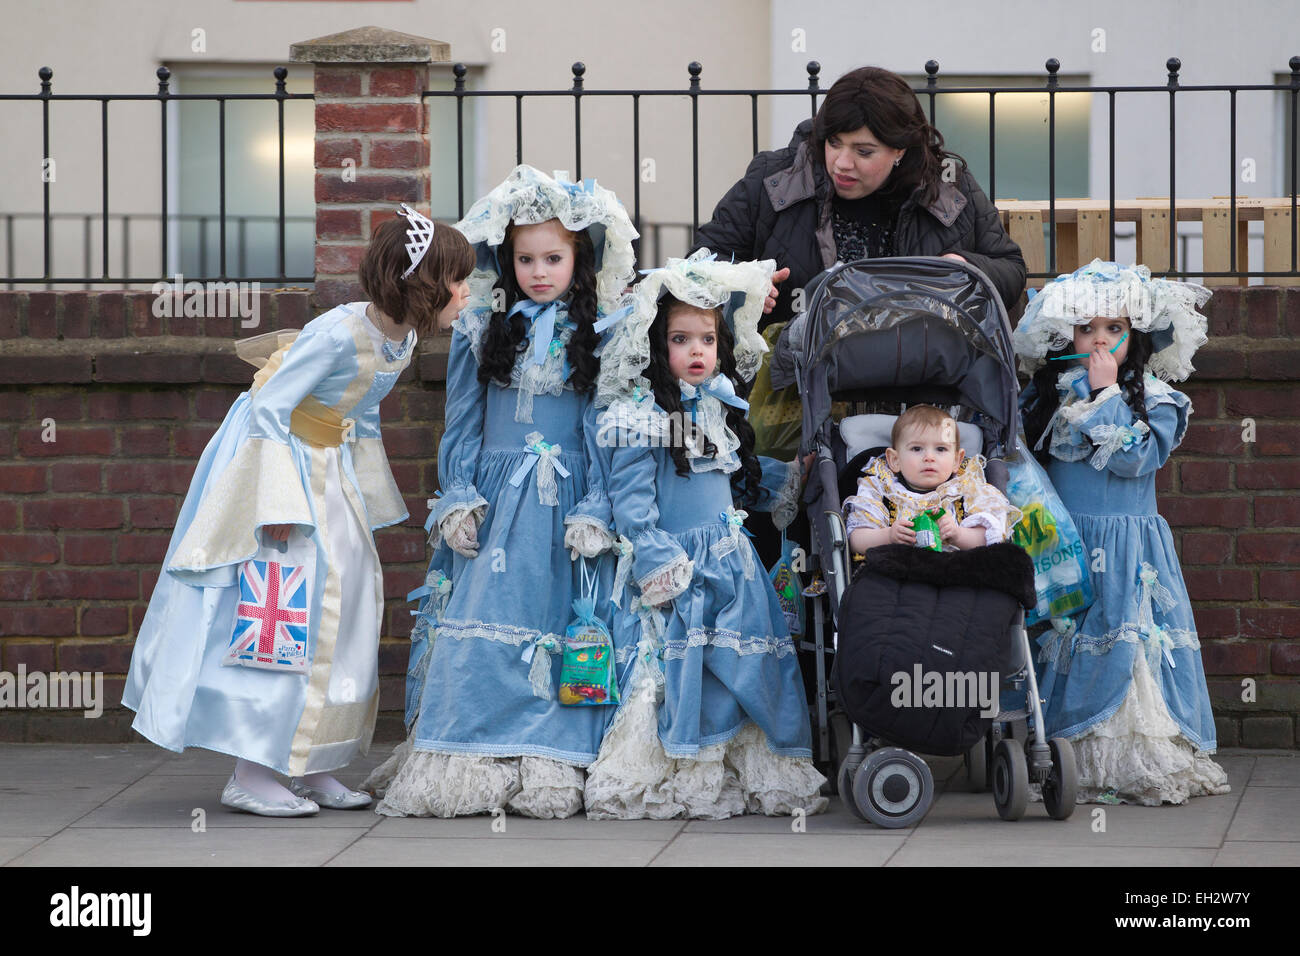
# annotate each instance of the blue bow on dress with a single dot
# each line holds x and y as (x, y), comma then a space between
(720, 387)
(542, 315)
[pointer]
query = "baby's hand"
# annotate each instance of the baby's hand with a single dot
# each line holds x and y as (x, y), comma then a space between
(900, 532)
(948, 528)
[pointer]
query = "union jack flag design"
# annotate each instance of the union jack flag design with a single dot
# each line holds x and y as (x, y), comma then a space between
(271, 620)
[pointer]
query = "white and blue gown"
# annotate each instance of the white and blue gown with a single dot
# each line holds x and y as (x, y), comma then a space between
(486, 728)
(257, 472)
(731, 734)
(1126, 683)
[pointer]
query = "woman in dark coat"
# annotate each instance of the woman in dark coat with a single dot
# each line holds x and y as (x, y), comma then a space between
(867, 177)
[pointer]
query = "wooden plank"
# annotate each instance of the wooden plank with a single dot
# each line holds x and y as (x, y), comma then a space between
(1094, 235)
(1153, 240)
(1216, 242)
(1026, 231)
(1067, 246)
(1277, 245)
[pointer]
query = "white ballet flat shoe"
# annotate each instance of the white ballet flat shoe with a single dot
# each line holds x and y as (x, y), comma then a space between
(352, 800)
(237, 798)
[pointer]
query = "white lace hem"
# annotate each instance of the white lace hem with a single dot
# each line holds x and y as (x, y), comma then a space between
(418, 783)
(1139, 753)
(633, 778)
(731, 640)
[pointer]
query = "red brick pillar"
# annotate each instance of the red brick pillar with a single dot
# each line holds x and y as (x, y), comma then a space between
(372, 142)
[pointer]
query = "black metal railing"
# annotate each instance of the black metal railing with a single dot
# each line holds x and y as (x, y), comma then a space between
(46, 97)
(695, 90)
(930, 93)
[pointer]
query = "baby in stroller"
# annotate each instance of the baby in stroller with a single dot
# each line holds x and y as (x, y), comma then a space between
(927, 334)
(922, 472)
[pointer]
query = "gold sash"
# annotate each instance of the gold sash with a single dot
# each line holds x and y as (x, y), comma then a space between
(312, 421)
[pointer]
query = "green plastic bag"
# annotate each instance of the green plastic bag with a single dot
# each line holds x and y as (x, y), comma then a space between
(777, 416)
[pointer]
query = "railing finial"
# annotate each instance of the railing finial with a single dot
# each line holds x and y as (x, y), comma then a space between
(579, 69)
(46, 74)
(459, 71)
(931, 73)
(279, 73)
(1173, 65)
(163, 75)
(694, 69)
(814, 72)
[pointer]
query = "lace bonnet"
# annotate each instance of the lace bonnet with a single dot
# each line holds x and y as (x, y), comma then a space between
(527, 197)
(702, 281)
(1163, 308)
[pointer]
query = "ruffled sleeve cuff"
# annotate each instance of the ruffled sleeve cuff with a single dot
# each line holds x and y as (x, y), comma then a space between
(384, 504)
(781, 483)
(668, 582)
(656, 553)
(996, 525)
(261, 486)
(1078, 414)
(594, 509)
(450, 507)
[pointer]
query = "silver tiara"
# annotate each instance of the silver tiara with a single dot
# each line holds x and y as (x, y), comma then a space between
(418, 238)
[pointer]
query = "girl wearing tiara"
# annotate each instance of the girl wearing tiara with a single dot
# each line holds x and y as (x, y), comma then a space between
(714, 720)
(261, 639)
(1123, 681)
(488, 730)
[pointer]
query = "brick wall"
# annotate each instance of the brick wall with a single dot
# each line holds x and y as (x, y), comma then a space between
(85, 519)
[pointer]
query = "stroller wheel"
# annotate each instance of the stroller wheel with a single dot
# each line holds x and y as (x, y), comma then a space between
(1061, 785)
(977, 765)
(893, 788)
(1010, 779)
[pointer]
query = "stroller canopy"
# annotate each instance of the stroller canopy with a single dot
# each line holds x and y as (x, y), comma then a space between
(882, 325)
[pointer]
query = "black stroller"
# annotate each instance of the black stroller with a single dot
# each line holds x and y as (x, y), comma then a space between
(898, 332)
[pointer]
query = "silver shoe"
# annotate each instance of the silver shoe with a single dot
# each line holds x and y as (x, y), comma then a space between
(352, 800)
(237, 798)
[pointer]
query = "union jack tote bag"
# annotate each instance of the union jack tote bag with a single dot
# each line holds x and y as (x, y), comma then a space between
(273, 614)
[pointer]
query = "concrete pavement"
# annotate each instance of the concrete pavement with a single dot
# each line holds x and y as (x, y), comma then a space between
(132, 805)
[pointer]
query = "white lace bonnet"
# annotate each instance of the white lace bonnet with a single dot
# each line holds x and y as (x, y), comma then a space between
(527, 197)
(1163, 308)
(702, 281)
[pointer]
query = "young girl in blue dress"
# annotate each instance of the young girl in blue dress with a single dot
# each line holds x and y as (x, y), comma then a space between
(714, 721)
(1124, 681)
(298, 459)
(487, 729)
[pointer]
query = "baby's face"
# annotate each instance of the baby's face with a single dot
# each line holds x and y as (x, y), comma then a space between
(926, 457)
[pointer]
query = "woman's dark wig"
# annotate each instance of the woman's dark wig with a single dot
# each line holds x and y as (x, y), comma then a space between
(1131, 374)
(668, 396)
(504, 338)
(418, 299)
(883, 102)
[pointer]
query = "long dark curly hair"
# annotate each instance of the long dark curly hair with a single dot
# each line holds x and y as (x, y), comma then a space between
(504, 338)
(745, 479)
(1131, 374)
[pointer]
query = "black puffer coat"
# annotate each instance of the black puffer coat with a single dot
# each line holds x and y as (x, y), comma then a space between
(910, 612)
(781, 210)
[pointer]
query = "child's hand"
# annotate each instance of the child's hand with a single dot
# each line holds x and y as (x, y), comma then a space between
(948, 528)
(463, 539)
(1103, 370)
(900, 532)
(278, 532)
(779, 276)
